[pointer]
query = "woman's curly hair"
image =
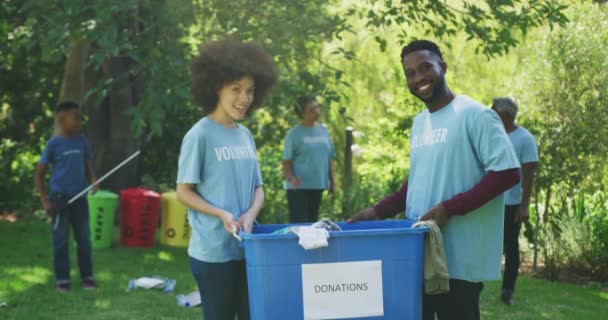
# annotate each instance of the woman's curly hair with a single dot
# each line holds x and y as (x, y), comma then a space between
(225, 61)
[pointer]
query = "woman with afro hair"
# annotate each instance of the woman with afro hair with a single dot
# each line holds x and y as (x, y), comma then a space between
(218, 176)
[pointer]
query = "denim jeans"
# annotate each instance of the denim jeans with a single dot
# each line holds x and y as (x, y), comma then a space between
(223, 289)
(76, 215)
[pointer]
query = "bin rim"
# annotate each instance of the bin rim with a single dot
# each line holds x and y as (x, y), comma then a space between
(102, 194)
(337, 234)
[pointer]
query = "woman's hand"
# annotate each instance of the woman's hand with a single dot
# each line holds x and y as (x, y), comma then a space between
(294, 181)
(229, 224)
(246, 221)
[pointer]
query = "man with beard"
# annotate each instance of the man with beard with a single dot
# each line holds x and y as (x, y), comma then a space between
(460, 164)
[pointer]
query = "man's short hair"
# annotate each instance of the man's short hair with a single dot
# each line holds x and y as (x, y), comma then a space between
(66, 105)
(418, 45)
(506, 105)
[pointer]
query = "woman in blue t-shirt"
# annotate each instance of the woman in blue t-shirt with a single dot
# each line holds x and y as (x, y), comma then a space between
(308, 154)
(218, 176)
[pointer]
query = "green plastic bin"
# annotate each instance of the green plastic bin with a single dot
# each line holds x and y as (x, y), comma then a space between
(102, 206)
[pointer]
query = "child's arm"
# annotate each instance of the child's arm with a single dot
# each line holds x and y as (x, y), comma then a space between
(91, 176)
(247, 219)
(191, 199)
(44, 200)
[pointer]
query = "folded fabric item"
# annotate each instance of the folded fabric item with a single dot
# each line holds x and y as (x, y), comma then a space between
(314, 236)
(310, 237)
(436, 277)
(152, 282)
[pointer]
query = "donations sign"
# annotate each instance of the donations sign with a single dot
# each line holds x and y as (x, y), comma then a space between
(342, 290)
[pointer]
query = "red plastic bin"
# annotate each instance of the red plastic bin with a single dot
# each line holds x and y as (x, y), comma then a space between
(139, 211)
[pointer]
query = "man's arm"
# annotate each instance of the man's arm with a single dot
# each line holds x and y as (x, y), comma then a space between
(528, 172)
(491, 185)
(387, 207)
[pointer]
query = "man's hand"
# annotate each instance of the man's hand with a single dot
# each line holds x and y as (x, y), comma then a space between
(365, 214)
(49, 208)
(438, 214)
(522, 214)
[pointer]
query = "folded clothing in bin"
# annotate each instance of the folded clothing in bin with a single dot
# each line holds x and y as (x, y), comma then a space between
(314, 236)
(311, 238)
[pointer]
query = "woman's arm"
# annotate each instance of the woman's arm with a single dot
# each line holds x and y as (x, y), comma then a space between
(288, 174)
(247, 219)
(191, 199)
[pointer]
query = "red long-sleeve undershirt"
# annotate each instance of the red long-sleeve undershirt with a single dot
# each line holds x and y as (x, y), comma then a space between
(491, 185)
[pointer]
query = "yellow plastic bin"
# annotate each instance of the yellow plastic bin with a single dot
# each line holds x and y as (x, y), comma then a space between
(175, 229)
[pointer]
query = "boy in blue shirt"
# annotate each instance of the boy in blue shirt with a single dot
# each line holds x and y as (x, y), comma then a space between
(69, 154)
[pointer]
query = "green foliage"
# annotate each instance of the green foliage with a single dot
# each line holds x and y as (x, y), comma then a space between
(494, 23)
(566, 91)
(29, 83)
(576, 239)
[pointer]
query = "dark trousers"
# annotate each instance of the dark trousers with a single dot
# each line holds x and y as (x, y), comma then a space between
(511, 248)
(223, 289)
(76, 215)
(461, 303)
(304, 205)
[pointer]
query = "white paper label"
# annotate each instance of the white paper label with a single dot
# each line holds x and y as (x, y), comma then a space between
(342, 290)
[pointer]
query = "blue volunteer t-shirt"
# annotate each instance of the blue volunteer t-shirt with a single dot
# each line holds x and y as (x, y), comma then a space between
(67, 157)
(525, 148)
(222, 163)
(310, 150)
(450, 151)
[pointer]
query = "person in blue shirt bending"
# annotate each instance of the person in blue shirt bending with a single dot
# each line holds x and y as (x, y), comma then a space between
(69, 154)
(308, 155)
(218, 176)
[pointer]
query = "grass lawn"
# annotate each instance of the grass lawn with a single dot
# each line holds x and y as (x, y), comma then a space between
(26, 285)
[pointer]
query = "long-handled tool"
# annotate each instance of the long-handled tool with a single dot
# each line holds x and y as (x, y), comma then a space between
(105, 176)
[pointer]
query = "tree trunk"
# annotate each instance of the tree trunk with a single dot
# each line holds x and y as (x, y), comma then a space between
(72, 84)
(112, 127)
